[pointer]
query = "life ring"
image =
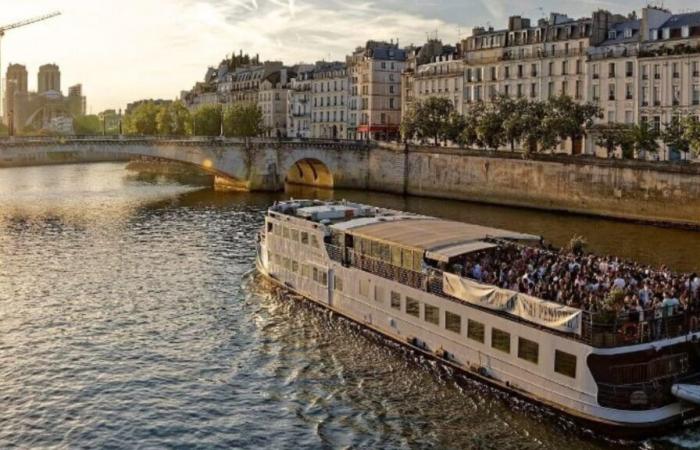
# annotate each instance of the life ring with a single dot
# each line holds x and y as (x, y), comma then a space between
(694, 322)
(630, 332)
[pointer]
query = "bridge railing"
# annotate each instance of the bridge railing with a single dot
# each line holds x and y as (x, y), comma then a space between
(174, 139)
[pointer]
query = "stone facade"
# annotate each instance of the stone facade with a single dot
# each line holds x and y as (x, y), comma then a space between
(375, 72)
(330, 88)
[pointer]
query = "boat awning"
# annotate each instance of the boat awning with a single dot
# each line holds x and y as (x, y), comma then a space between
(430, 234)
(444, 254)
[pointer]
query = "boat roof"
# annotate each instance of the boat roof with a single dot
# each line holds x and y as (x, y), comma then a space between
(441, 239)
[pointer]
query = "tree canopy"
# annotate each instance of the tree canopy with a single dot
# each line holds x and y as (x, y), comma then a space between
(142, 120)
(243, 120)
(431, 118)
(89, 125)
(206, 121)
(174, 120)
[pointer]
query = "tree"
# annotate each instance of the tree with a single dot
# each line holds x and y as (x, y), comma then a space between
(514, 117)
(142, 120)
(673, 135)
(472, 116)
(490, 127)
(691, 132)
(429, 119)
(243, 120)
(614, 135)
(174, 120)
(87, 125)
(569, 119)
(206, 121)
(454, 126)
(644, 139)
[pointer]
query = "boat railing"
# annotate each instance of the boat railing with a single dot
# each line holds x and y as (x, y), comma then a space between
(609, 329)
(599, 329)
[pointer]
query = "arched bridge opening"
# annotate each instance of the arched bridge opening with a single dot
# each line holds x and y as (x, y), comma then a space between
(310, 172)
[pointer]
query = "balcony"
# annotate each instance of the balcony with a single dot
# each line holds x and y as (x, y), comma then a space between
(657, 76)
(629, 97)
(596, 76)
(696, 74)
(611, 74)
(611, 98)
(645, 77)
(629, 74)
(645, 103)
(676, 75)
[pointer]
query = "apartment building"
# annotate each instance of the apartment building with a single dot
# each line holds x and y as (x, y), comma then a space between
(272, 100)
(299, 102)
(375, 72)
(330, 91)
(433, 70)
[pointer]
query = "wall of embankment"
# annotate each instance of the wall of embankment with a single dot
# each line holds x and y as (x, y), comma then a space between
(666, 193)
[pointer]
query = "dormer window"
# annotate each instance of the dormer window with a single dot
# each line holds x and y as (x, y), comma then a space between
(666, 33)
(628, 33)
(612, 34)
(654, 35)
(685, 31)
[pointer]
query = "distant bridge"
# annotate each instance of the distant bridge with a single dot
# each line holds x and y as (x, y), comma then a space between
(254, 164)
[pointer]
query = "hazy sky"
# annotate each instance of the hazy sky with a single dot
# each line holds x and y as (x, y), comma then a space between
(123, 50)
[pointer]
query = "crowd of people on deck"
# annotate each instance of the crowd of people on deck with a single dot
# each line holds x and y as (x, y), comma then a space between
(584, 281)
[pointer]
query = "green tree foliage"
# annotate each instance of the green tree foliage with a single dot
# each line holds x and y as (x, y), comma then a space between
(569, 119)
(691, 133)
(206, 121)
(143, 120)
(431, 118)
(645, 139)
(174, 120)
(616, 135)
(674, 136)
(243, 120)
(89, 125)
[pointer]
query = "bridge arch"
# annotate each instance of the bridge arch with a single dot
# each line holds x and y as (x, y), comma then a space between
(310, 172)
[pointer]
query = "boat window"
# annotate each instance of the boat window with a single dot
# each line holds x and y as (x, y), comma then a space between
(475, 330)
(295, 266)
(304, 237)
(269, 256)
(337, 283)
(396, 256)
(395, 300)
(287, 263)
(314, 241)
(528, 350)
(270, 227)
(407, 259)
(453, 322)
(315, 277)
(379, 293)
(565, 363)
(285, 232)
(412, 307)
(364, 288)
(500, 340)
(306, 271)
(417, 261)
(432, 314)
(295, 235)
(324, 278)
(278, 260)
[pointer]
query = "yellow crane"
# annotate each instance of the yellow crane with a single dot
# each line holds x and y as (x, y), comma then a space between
(12, 26)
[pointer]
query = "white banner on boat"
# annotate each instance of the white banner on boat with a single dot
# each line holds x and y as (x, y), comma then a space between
(542, 312)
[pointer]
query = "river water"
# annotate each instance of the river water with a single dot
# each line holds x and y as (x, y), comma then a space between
(130, 317)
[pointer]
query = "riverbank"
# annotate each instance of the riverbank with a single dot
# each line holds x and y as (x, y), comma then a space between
(657, 193)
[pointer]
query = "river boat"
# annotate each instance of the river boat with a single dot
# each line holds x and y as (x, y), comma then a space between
(397, 273)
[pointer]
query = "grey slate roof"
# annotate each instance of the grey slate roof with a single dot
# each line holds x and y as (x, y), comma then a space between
(680, 20)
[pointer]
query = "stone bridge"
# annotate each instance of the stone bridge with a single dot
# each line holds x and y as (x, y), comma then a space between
(256, 164)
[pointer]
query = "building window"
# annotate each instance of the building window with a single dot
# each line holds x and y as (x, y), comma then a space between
(500, 340)
(629, 69)
(364, 288)
(565, 363)
(629, 91)
(412, 307)
(565, 67)
(379, 294)
(551, 69)
(395, 300)
(337, 283)
(611, 70)
(475, 330)
(432, 314)
(528, 350)
(611, 91)
(453, 322)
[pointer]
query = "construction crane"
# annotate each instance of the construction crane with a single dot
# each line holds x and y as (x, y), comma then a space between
(6, 28)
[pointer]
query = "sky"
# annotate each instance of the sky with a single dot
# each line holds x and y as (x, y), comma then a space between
(125, 50)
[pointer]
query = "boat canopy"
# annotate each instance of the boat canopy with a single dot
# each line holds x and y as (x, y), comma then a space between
(440, 239)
